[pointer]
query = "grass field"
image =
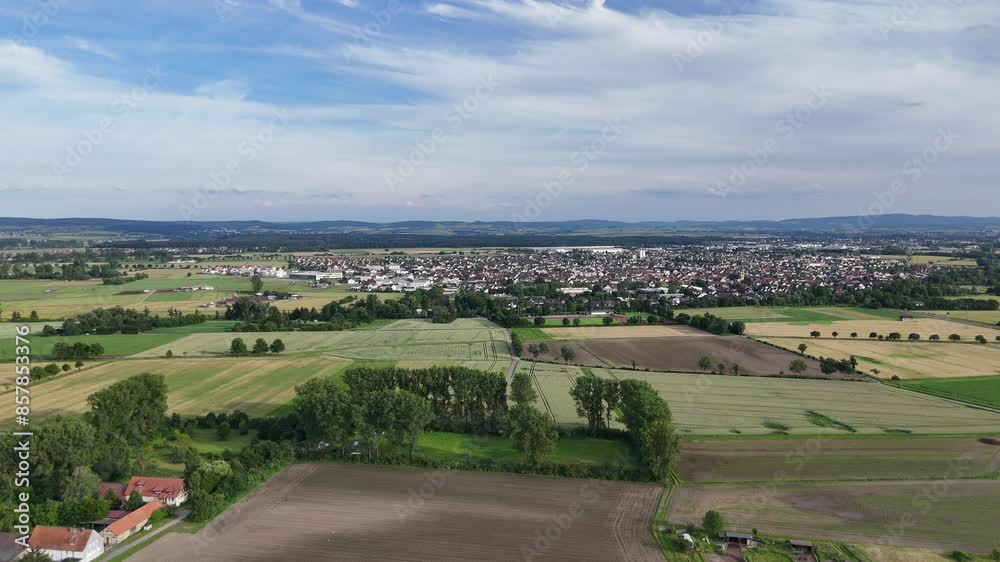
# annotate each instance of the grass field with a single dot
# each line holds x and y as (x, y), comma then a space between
(978, 390)
(921, 259)
(947, 514)
(804, 315)
(907, 360)
(826, 458)
(923, 326)
(568, 450)
(115, 345)
(195, 386)
(608, 332)
(465, 339)
(529, 334)
(725, 405)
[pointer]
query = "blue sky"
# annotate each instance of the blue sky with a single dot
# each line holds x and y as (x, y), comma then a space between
(498, 109)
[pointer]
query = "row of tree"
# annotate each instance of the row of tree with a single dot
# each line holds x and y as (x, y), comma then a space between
(121, 320)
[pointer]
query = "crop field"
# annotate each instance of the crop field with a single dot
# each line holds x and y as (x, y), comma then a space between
(442, 446)
(464, 339)
(501, 365)
(949, 514)
(789, 314)
(726, 405)
(923, 326)
(115, 345)
(195, 386)
(907, 360)
(609, 332)
(827, 458)
(345, 512)
(58, 299)
(978, 390)
(922, 259)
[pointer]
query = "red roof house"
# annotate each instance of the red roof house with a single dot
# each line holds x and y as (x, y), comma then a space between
(169, 491)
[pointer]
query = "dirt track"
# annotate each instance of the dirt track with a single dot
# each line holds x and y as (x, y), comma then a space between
(341, 512)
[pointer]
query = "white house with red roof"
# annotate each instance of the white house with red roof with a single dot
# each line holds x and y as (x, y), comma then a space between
(169, 491)
(66, 543)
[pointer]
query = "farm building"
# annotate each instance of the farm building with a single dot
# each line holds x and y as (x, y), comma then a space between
(744, 539)
(169, 491)
(64, 543)
(130, 523)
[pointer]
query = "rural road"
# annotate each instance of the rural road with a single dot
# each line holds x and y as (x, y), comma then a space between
(510, 347)
(116, 552)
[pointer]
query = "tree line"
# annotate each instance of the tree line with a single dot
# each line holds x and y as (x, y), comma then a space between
(118, 320)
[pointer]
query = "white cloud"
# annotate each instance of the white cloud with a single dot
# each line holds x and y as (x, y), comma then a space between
(86, 46)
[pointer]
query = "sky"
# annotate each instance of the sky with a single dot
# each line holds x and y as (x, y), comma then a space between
(520, 110)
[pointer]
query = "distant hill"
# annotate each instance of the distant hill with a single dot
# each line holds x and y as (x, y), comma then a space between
(213, 229)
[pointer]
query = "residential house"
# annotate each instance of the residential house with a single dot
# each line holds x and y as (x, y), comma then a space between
(169, 491)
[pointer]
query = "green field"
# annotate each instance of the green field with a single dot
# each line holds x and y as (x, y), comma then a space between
(195, 386)
(465, 339)
(977, 390)
(727, 405)
(207, 327)
(569, 450)
(803, 315)
(530, 334)
(115, 345)
(828, 458)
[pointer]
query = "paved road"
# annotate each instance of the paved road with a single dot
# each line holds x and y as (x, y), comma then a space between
(115, 552)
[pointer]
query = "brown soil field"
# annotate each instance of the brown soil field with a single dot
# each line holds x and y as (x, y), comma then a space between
(350, 512)
(683, 354)
(613, 332)
(946, 513)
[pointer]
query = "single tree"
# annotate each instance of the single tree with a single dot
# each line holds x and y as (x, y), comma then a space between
(78, 364)
(238, 347)
(714, 524)
(567, 353)
(66, 366)
(565, 321)
(854, 334)
(934, 337)
(170, 353)
(607, 320)
(576, 322)
(955, 337)
(257, 284)
(543, 348)
(705, 363)
(260, 346)
(835, 334)
(134, 501)
(815, 333)
(277, 346)
(798, 366)
(802, 348)
(913, 336)
(539, 321)
(981, 339)
(522, 389)
(532, 432)
(872, 335)
(533, 350)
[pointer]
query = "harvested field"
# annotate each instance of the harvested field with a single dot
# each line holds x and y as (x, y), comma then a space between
(723, 405)
(907, 360)
(609, 332)
(923, 326)
(465, 339)
(825, 458)
(343, 512)
(195, 386)
(947, 514)
(985, 316)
